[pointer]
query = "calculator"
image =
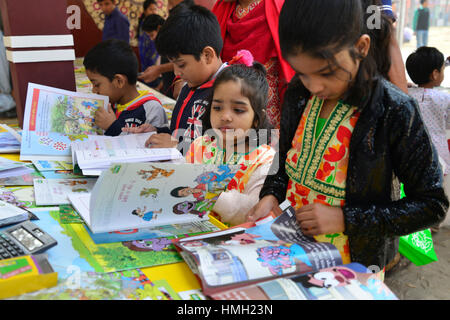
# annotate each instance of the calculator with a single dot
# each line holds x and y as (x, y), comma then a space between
(24, 238)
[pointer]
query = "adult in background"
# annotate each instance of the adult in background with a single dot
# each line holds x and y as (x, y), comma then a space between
(421, 23)
(253, 25)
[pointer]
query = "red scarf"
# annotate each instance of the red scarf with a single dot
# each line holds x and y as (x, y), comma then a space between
(249, 33)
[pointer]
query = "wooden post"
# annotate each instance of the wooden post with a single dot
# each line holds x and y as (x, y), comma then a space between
(39, 46)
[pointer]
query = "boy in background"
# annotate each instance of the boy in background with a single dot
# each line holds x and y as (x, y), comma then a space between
(426, 67)
(116, 25)
(112, 68)
(151, 25)
(194, 52)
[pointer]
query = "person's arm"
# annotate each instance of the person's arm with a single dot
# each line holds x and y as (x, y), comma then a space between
(153, 72)
(233, 205)
(416, 164)
(155, 114)
(396, 72)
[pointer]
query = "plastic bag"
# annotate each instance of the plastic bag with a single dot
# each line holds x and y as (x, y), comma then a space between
(418, 246)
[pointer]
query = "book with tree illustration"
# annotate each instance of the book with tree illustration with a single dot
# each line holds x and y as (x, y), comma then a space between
(272, 248)
(141, 195)
(53, 118)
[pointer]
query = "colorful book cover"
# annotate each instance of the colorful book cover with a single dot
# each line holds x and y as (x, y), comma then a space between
(123, 285)
(54, 118)
(49, 165)
(142, 195)
(76, 249)
(22, 196)
(22, 180)
(56, 191)
(346, 282)
(255, 252)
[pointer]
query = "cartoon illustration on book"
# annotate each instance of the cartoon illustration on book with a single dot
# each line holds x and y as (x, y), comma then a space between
(191, 207)
(54, 118)
(74, 116)
(146, 215)
(149, 175)
(146, 192)
(156, 244)
(72, 182)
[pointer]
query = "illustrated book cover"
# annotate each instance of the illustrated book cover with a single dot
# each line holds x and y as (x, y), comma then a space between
(53, 118)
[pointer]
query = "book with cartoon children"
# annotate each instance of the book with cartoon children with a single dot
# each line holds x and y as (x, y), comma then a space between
(273, 259)
(53, 118)
(141, 195)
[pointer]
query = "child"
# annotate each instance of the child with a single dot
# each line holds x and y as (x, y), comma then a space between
(149, 55)
(145, 44)
(345, 132)
(112, 67)
(235, 113)
(116, 25)
(425, 67)
(194, 52)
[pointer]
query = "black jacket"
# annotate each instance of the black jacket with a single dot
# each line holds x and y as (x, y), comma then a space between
(389, 139)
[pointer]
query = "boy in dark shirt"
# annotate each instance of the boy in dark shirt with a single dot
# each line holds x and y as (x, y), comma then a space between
(195, 54)
(116, 25)
(112, 68)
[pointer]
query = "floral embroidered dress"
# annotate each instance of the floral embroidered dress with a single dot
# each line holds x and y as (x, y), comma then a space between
(317, 162)
(242, 192)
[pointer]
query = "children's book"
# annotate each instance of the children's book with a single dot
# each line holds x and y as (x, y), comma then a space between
(10, 139)
(252, 253)
(10, 168)
(53, 118)
(56, 191)
(49, 165)
(97, 153)
(346, 282)
(142, 195)
(123, 285)
(10, 214)
(24, 179)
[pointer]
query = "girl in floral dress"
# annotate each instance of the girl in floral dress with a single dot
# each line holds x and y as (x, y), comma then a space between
(234, 124)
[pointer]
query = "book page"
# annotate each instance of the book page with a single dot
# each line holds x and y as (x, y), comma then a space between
(56, 191)
(140, 195)
(53, 118)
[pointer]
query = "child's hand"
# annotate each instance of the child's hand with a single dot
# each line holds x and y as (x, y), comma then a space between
(150, 74)
(104, 118)
(316, 218)
(161, 140)
(263, 208)
(143, 128)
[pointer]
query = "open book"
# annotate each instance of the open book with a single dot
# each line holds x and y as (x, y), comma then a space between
(246, 255)
(96, 153)
(142, 195)
(10, 139)
(53, 118)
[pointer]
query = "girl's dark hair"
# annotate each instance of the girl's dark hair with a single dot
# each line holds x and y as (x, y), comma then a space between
(421, 63)
(254, 86)
(152, 22)
(379, 37)
(340, 26)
